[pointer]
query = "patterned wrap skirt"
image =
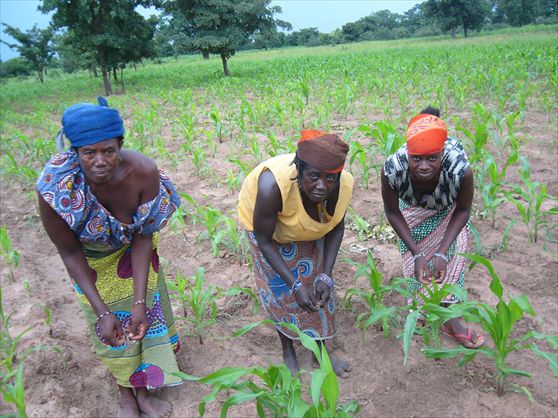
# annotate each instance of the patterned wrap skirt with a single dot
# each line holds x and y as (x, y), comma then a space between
(428, 227)
(305, 260)
(147, 363)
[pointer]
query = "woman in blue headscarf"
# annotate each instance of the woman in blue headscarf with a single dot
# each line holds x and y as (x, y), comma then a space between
(102, 207)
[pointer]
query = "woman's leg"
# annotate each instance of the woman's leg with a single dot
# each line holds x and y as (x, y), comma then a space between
(289, 354)
(128, 405)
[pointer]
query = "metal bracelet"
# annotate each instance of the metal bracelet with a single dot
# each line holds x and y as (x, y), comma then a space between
(324, 278)
(416, 256)
(442, 256)
(296, 286)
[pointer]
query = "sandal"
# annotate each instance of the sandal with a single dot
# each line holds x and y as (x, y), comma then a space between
(466, 337)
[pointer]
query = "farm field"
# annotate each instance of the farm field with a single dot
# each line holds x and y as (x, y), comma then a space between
(497, 93)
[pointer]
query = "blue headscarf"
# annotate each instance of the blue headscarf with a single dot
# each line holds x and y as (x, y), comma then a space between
(86, 123)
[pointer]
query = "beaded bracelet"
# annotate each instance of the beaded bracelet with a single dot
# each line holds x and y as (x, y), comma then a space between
(416, 256)
(442, 256)
(324, 278)
(296, 286)
(103, 315)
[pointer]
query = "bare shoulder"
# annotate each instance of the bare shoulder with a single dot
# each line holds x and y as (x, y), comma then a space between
(269, 193)
(140, 165)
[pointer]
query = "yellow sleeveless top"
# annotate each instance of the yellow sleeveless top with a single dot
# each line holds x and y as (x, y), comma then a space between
(293, 222)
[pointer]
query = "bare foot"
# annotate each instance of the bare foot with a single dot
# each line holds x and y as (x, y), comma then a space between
(128, 405)
(340, 366)
(151, 406)
(463, 335)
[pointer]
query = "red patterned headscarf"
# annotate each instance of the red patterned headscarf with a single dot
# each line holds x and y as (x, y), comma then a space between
(426, 134)
(324, 151)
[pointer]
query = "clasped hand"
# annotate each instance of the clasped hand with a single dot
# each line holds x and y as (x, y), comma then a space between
(423, 273)
(311, 300)
(111, 332)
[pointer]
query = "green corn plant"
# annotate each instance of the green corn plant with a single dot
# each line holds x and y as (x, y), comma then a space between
(274, 390)
(492, 184)
(358, 224)
(7, 252)
(234, 180)
(386, 316)
(429, 305)
(216, 118)
(12, 362)
(358, 153)
(499, 323)
(532, 195)
(386, 138)
(197, 299)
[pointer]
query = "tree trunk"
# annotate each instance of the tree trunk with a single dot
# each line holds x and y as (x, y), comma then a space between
(122, 78)
(114, 74)
(205, 55)
(464, 31)
(106, 81)
(95, 71)
(453, 30)
(225, 67)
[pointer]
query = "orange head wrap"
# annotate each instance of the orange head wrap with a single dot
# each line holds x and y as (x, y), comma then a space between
(426, 134)
(324, 151)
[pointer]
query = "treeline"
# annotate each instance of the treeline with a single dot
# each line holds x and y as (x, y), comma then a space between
(106, 36)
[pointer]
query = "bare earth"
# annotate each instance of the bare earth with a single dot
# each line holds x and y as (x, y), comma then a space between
(75, 383)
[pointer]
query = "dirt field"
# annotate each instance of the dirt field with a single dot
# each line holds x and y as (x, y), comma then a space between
(76, 384)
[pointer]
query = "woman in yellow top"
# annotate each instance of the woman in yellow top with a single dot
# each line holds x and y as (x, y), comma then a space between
(293, 208)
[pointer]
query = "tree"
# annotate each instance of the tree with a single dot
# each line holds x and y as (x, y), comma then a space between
(222, 26)
(35, 46)
(110, 29)
(451, 14)
(517, 12)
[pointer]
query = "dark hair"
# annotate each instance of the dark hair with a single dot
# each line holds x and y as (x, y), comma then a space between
(430, 111)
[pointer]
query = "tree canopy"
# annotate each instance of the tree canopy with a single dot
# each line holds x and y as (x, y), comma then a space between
(110, 30)
(452, 14)
(35, 46)
(221, 26)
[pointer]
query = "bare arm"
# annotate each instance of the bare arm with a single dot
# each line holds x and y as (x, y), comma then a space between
(457, 222)
(268, 205)
(71, 252)
(142, 247)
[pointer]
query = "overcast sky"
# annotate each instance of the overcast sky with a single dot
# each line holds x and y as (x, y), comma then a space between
(326, 15)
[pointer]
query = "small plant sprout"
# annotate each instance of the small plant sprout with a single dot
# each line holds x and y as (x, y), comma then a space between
(499, 323)
(7, 252)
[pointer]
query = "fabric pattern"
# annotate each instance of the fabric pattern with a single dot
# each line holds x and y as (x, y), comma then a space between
(428, 227)
(107, 246)
(63, 186)
(147, 363)
(454, 165)
(305, 260)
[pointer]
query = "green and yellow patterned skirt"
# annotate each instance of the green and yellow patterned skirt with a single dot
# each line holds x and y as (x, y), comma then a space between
(147, 363)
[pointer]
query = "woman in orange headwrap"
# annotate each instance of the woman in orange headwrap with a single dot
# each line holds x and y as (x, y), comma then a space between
(293, 208)
(427, 189)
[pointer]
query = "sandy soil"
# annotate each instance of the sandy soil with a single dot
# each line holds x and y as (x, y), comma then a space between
(75, 383)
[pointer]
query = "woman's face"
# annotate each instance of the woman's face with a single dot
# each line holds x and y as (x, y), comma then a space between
(99, 161)
(425, 168)
(317, 185)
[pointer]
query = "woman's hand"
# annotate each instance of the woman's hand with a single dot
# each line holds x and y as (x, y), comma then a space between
(439, 269)
(323, 293)
(138, 323)
(422, 272)
(110, 330)
(305, 299)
